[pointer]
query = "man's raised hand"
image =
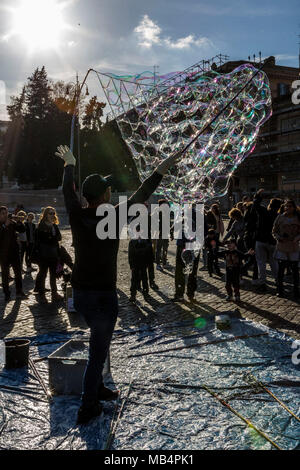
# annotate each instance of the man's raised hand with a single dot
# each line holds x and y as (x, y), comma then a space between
(65, 153)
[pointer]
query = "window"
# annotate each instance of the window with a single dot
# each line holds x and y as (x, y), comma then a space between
(283, 89)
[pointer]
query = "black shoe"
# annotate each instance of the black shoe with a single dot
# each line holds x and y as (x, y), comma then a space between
(106, 394)
(85, 414)
(7, 298)
(296, 294)
(132, 299)
(178, 298)
(21, 295)
(218, 273)
(191, 298)
(262, 288)
(154, 286)
(280, 294)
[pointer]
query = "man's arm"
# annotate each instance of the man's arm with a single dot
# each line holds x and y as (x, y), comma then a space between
(150, 184)
(72, 202)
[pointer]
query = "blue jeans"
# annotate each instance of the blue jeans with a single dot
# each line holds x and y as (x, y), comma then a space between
(100, 311)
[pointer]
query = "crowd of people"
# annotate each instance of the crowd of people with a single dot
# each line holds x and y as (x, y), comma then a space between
(23, 241)
(257, 234)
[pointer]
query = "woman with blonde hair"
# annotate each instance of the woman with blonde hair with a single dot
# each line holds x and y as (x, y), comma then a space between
(47, 244)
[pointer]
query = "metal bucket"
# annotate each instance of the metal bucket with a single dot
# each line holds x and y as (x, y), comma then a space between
(17, 353)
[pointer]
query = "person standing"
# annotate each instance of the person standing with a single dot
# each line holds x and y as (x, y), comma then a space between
(265, 242)
(94, 274)
(30, 234)
(22, 237)
(214, 220)
(47, 239)
(286, 231)
(9, 253)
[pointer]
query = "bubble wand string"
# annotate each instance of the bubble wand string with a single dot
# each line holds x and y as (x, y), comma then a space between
(260, 384)
(223, 109)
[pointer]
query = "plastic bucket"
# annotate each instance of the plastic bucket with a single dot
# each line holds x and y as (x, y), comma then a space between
(16, 353)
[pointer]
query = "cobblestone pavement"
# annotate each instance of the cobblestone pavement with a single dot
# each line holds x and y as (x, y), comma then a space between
(28, 318)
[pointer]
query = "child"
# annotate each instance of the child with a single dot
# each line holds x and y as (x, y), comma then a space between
(139, 257)
(233, 261)
(212, 246)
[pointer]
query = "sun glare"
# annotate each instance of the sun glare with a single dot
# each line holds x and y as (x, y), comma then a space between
(39, 23)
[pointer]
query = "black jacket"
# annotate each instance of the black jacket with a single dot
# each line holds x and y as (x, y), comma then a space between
(95, 266)
(265, 222)
(47, 241)
(140, 253)
(9, 248)
(27, 227)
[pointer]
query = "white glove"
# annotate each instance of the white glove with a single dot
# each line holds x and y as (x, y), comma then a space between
(65, 153)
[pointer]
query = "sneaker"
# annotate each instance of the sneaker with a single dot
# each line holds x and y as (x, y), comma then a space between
(159, 267)
(262, 288)
(154, 286)
(178, 298)
(106, 394)
(85, 414)
(56, 297)
(21, 295)
(229, 298)
(42, 299)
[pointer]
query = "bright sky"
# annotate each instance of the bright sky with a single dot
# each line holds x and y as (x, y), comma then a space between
(134, 35)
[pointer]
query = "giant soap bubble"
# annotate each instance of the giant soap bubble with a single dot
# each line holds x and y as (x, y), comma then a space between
(163, 120)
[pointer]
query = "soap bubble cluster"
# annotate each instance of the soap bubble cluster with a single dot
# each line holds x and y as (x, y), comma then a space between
(162, 120)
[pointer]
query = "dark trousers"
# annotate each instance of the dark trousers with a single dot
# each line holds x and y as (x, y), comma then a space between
(212, 262)
(100, 310)
(282, 265)
(161, 251)
(28, 254)
(138, 276)
(23, 248)
(233, 281)
(251, 261)
(150, 268)
(46, 264)
(16, 265)
(180, 276)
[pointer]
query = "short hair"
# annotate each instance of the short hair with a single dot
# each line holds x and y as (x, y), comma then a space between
(235, 212)
(275, 204)
(21, 214)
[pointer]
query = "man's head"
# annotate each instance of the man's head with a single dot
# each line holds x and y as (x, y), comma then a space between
(211, 233)
(30, 217)
(275, 204)
(3, 214)
(97, 189)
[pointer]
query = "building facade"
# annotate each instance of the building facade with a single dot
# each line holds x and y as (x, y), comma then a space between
(275, 163)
